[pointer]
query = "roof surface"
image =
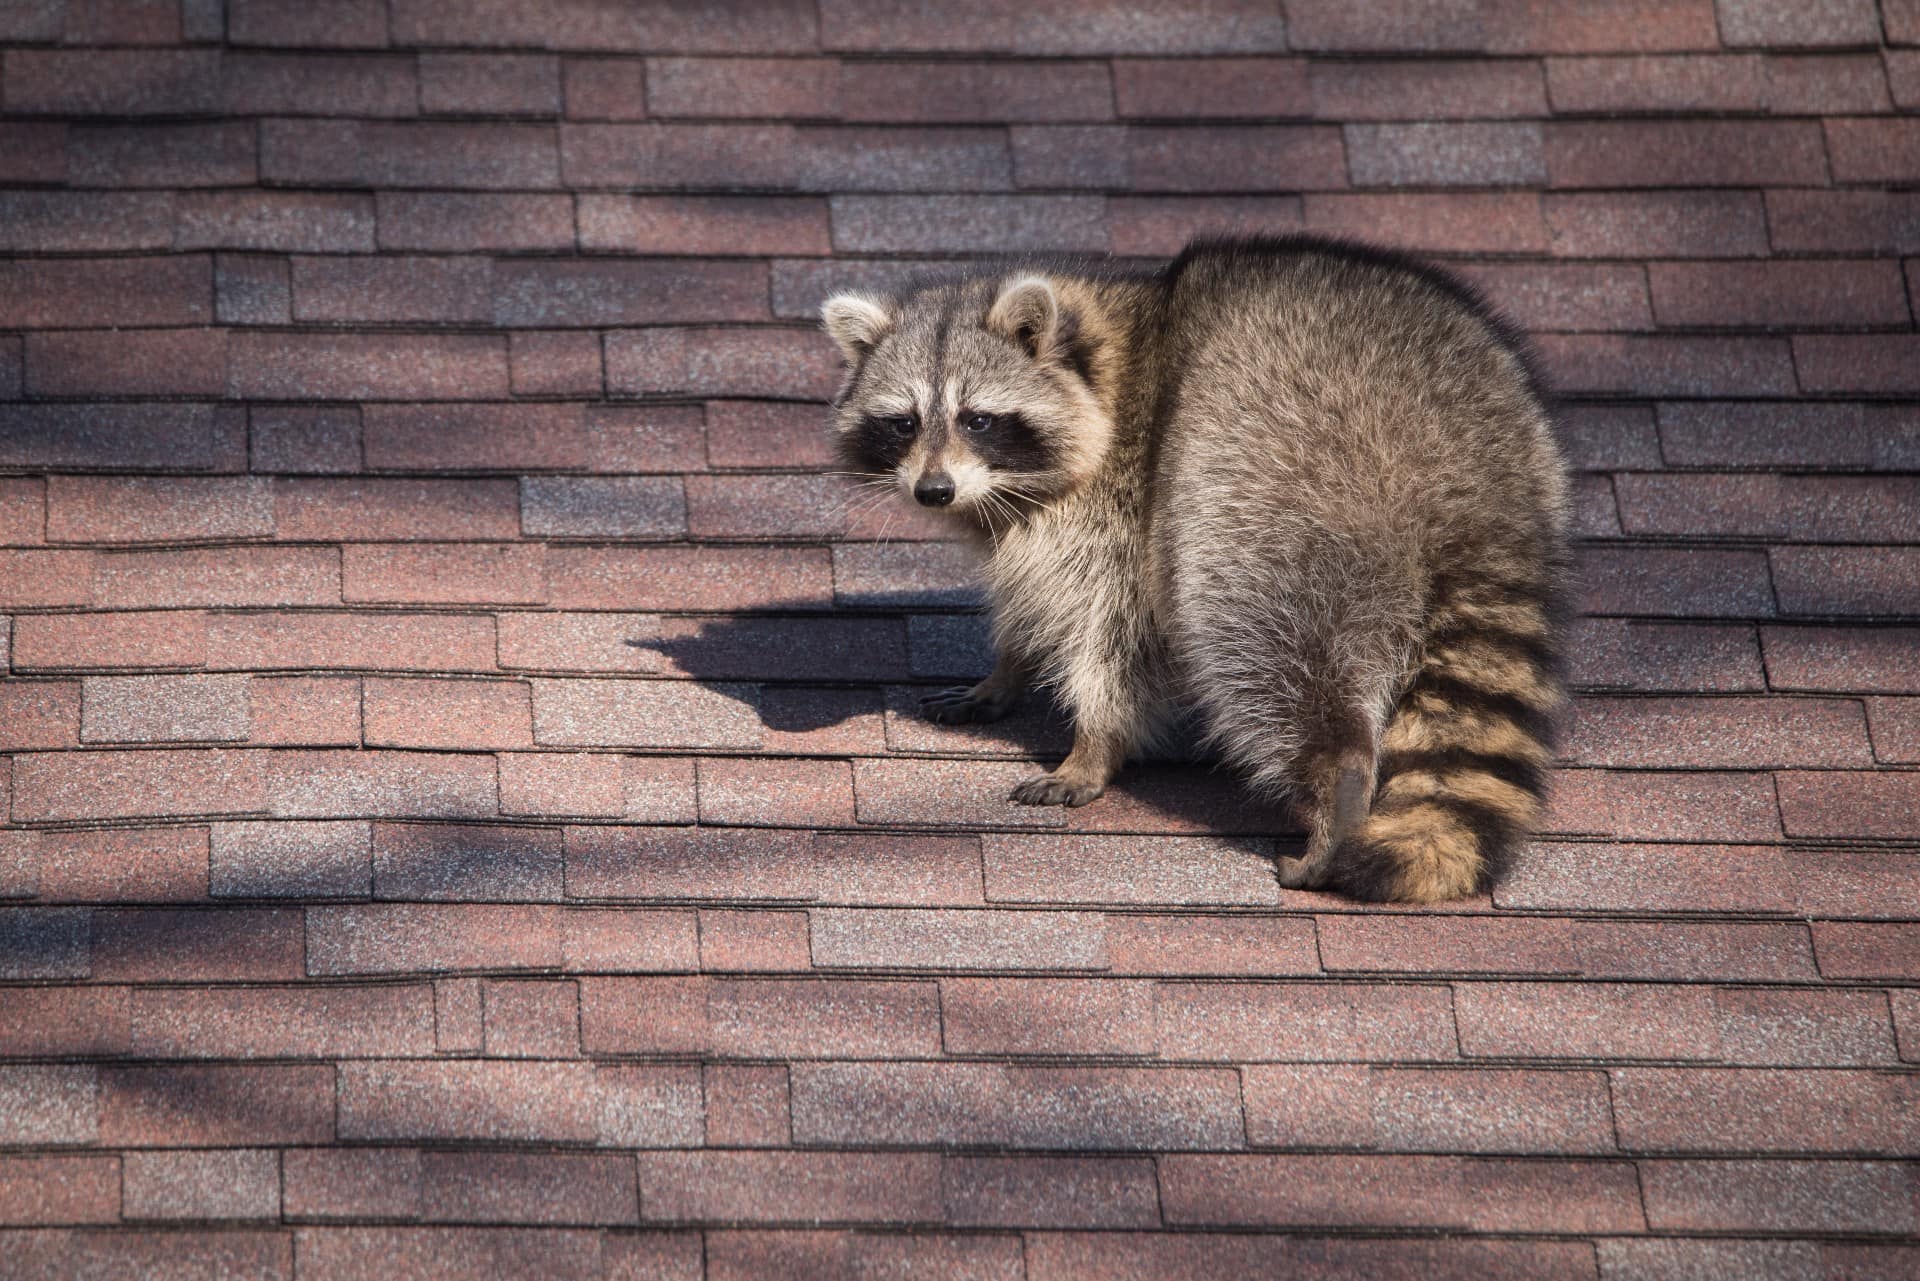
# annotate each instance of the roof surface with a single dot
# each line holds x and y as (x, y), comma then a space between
(466, 813)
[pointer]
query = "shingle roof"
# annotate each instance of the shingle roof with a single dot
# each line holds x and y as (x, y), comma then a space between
(465, 810)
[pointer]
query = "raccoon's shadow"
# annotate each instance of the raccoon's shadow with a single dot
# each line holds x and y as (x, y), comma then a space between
(852, 683)
(804, 672)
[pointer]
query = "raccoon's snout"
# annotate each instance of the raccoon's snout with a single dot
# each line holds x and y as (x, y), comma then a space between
(934, 491)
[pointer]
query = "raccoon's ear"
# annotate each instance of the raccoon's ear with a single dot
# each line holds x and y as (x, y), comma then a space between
(1027, 311)
(856, 322)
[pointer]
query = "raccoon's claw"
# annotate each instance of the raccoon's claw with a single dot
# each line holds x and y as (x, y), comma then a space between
(962, 705)
(1051, 789)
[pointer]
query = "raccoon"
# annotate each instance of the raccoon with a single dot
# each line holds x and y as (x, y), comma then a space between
(1304, 490)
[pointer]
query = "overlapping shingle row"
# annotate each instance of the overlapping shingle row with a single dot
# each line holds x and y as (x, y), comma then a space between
(464, 806)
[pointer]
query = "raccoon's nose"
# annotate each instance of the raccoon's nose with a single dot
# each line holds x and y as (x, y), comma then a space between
(934, 491)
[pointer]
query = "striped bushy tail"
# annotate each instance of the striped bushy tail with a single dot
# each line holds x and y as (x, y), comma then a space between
(1460, 776)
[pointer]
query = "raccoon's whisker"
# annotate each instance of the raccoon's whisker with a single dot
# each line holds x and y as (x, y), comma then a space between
(1006, 510)
(852, 512)
(863, 480)
(866, 490)
(1017, 489)
(882, 489)
(890, 512)
(1011, 513)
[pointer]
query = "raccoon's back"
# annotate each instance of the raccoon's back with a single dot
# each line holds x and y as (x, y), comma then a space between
(1316, 386)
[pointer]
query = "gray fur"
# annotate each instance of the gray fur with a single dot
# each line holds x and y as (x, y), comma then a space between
(1273, 468)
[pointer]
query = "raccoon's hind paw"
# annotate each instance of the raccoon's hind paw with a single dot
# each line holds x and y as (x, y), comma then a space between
(1052, 789)
(964, 705)
(1307, 872)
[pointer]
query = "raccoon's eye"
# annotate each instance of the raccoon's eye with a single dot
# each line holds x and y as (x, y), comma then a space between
(899, 426)
(978, 422)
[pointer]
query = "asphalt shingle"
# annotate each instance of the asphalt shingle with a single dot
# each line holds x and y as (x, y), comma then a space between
(463, 806)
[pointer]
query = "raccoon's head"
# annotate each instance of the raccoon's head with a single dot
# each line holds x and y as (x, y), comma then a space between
(977, 396)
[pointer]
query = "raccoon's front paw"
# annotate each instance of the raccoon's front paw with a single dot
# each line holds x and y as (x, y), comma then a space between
(964, 705)
(1052, 789)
